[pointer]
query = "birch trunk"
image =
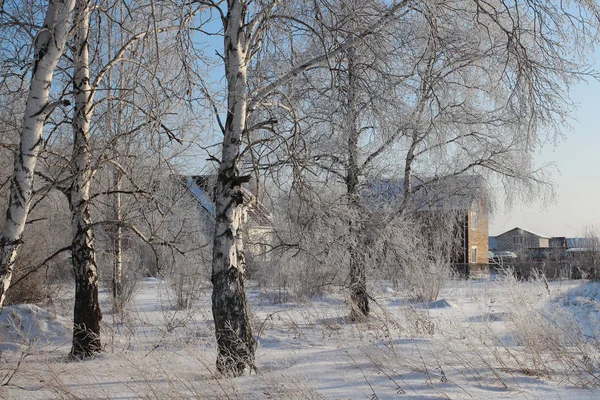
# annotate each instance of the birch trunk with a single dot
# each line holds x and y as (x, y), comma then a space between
(116, 231)
(230, 310)
(359, 299)
(117, 282)
(49, 47)
(408, 176)
(87, 315)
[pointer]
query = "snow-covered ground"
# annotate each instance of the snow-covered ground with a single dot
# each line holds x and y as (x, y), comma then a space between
(483, 339)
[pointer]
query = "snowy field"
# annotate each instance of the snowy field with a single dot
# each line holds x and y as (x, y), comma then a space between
(483, 339)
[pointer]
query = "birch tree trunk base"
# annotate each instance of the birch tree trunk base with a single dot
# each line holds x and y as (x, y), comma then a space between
(232, 326)
(359, 297)
(86, 321)
(86, 312)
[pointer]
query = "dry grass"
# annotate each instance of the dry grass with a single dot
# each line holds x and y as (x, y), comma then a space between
(519, 336)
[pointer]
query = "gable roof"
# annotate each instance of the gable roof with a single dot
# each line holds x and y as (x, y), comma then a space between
(455, 193)
(200, 194)
(203, 188)
(578, 242)
(258, 215)
(524, 230)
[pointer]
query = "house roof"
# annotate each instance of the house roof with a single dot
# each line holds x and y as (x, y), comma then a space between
(258, 215)
(200, 194)
(202, 188)
(450, 193)
(577, 242)
(525, 230)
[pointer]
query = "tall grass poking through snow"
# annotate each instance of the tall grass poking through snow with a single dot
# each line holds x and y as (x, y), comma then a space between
(526, 328)
(482, 339)
(560, 334)
(517, 333)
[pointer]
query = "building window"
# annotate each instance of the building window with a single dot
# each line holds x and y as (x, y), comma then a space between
(517, 239)
(473, 254)
(474, 221)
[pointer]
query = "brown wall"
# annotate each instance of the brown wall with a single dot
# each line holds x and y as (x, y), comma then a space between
(478, 233)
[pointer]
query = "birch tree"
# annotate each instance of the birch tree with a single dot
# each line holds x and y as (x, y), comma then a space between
(245, 24)
(354, 128)
(340, 106)
(87, 314)
(476, 88)
(49, 47)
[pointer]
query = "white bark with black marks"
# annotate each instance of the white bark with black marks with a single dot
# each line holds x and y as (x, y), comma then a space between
(87, 314)
(117, 238)
(230, 311)
(49, 47)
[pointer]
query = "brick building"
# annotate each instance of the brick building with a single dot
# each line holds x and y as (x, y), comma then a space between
(475, 244)
(462, 198)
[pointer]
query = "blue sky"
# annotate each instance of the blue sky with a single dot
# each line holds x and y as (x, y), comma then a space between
(577, 157)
